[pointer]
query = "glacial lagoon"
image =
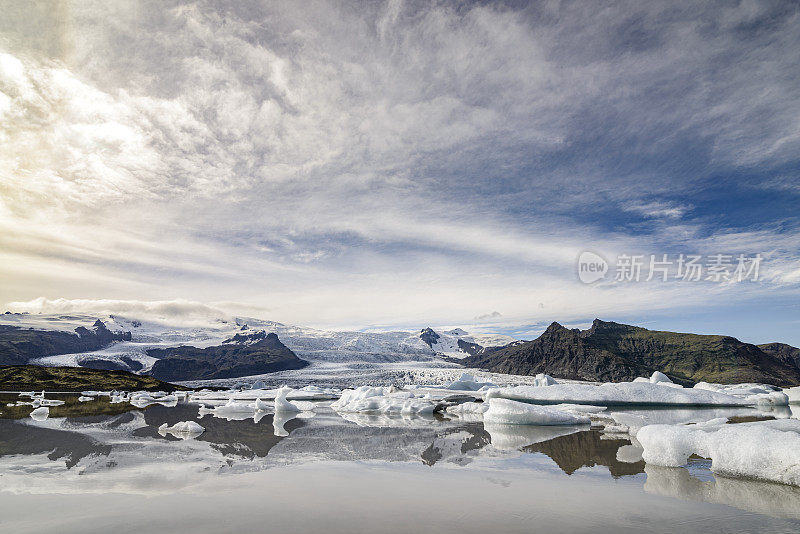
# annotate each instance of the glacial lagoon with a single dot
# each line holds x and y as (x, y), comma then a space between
(101, 467)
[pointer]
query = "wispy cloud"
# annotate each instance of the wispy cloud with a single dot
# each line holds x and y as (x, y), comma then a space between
(389, 162)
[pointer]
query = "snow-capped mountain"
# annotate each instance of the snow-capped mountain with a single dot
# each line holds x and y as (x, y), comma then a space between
(321, 347)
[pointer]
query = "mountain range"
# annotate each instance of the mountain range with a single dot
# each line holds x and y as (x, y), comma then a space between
(244, 354)
(607, 351)
(616, 352)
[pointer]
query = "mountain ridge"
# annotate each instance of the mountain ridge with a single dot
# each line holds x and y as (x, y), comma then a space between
(609, 351)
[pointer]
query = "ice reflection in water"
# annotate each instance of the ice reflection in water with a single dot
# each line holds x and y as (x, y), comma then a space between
(95, 447)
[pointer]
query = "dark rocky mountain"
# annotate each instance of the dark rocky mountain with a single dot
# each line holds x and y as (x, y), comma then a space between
(429, 336)
(19, 345)
(783, 352)
(242, 355)
(616, 352)
(472, 349)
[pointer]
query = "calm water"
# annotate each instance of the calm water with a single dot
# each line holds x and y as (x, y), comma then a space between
(98, 467)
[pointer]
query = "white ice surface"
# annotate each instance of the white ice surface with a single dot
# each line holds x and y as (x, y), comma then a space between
(510, 412)
(381, 400)
(632, 393)
(766, 450)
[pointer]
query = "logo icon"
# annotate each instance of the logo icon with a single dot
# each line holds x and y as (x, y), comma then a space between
(591, 267)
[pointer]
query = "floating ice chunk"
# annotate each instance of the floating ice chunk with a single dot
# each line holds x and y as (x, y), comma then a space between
(231, 408)
(467, 382)
(510, 412)
(766, 450)
(84, 398)
(40, 414)
(366, 399)
(542, 379)
(283, 405)
(632, 393)
(468, 408)
(50, 402)
(261, 405)
(183, 429)
(793, 394)
(658, 377)
(258, 384)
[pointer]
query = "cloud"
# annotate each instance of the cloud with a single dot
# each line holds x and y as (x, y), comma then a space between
(657, 210)
(184, 312)
(392, 162)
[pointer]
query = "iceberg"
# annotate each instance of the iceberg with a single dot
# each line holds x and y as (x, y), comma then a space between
(380, 400)
(542, 380)
(511, 412)
(633, 393)
(468, 408)
(467, 382)
(283, 405)
(764, 450)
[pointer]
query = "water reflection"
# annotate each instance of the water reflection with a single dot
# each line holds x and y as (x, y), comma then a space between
(767, 498)
(588, 449)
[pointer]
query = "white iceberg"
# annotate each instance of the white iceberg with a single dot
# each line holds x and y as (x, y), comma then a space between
(468, 408)
(467, 382)
(510, 412)
(261, 405)
(379, 400)
(793, 394)
(633, 393)
(765, 450)
(283, 405)
(542, 380)
(84, 398)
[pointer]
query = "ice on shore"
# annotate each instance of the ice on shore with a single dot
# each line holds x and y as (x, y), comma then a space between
(182, 430)
(381, 400)
(765, 450)
(511, 412)
(634, 393)
(40, 414)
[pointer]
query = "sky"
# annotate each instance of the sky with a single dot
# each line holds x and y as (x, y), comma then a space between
(397, 164)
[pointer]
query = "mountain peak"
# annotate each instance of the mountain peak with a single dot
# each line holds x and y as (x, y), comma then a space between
(554, 327)
(429, 336)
